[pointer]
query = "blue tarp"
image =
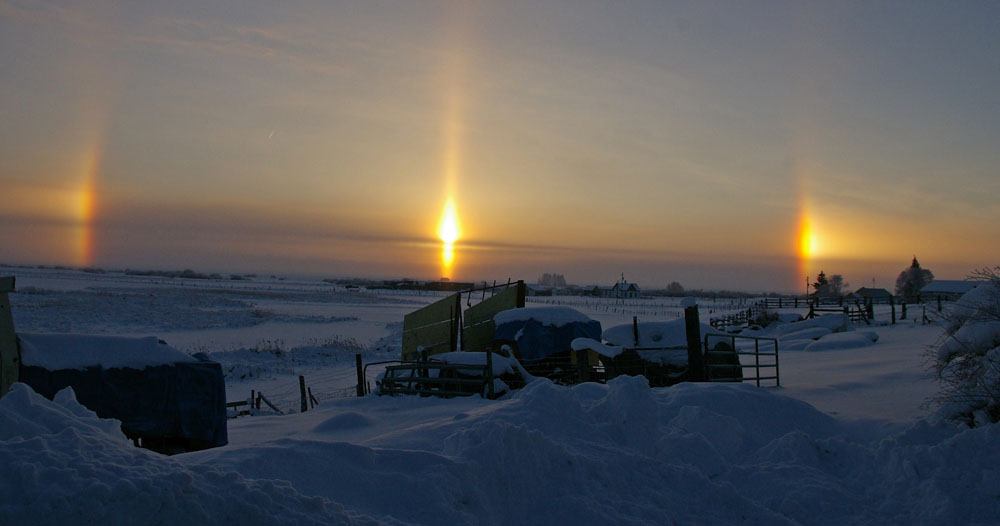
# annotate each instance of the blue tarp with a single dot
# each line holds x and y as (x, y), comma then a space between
(536, 341)
(184, 400)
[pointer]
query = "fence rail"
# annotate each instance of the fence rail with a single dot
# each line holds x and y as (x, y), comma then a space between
(756, 353)
(435, 378)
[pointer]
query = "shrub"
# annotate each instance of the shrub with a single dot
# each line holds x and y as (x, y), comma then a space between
(967, 360)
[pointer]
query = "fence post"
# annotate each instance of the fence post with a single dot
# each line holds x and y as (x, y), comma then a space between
(304, 406)
(903, 317)
(939, 303)
(489, 374)
(892, 304)
(361, 375)
(635, 330)
(696, 365)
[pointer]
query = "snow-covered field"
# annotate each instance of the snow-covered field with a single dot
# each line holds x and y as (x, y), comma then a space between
(844, 440)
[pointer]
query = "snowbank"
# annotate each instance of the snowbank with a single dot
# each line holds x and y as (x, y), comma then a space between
(60, 464)
(654, 334)
(621, 453)
(56, 352)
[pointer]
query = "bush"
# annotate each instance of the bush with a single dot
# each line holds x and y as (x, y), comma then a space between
(967, 360)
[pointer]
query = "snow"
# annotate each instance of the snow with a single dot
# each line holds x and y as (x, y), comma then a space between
(805, 333)
(71, 351)
(846, 439)
(654, 334)
(60, 464)
(840, 341)
(548, 316)
(832, 322)
(582, 344)
(501, 364)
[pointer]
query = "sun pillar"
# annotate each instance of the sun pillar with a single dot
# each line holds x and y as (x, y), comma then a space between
(448, 232)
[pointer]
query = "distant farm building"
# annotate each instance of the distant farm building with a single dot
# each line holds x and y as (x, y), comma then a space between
(620, 290)
(947, 289)
(624, 290)
(872, 294)
(538, 290)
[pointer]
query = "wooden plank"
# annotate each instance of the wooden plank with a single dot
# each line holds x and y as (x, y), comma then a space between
(434, 339)
(434, 327)
(478, 337)
(477, 322)
(441, 310)
(509, 298)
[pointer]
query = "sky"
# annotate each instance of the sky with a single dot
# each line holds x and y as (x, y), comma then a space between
(742, 145)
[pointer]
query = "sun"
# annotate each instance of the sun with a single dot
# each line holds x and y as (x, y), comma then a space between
(449, 232)
(808, 243)
(448, 227)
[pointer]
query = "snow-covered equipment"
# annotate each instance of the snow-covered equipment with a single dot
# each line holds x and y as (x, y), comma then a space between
(541, 339)
(166, 400)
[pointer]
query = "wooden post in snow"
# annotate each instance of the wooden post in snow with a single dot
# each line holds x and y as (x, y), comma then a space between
(692, 326)
(361, 375)
(10, 357)
(489, 374)
(304, 406)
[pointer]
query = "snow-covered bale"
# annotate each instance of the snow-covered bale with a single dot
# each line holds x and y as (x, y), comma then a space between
(842, 340)
(168, 400)
(807, 333)
(654, 334)
(62, 464)
(834, 322)
(70, 351)
(541, 332)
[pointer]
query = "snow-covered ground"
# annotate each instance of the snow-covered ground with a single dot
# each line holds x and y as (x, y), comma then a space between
(844, 440)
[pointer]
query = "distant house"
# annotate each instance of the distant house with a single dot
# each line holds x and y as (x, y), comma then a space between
(946, 289)
(623, 290)
(874, 295)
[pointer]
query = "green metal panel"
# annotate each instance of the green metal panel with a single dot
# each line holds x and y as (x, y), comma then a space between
(477, 323)
(434, 327)
(10, 359)
(434, 339)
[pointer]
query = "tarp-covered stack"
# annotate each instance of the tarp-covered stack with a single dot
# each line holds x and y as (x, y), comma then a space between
(166, 400)
(542, 337)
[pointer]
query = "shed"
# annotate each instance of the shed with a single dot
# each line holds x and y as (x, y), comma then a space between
(947, 289)
(874, 295)
(166, 400)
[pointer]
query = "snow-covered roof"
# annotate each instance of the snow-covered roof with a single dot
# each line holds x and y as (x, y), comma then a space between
(949, 286)
(551, 316)
(873, 292)
(57, 352)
